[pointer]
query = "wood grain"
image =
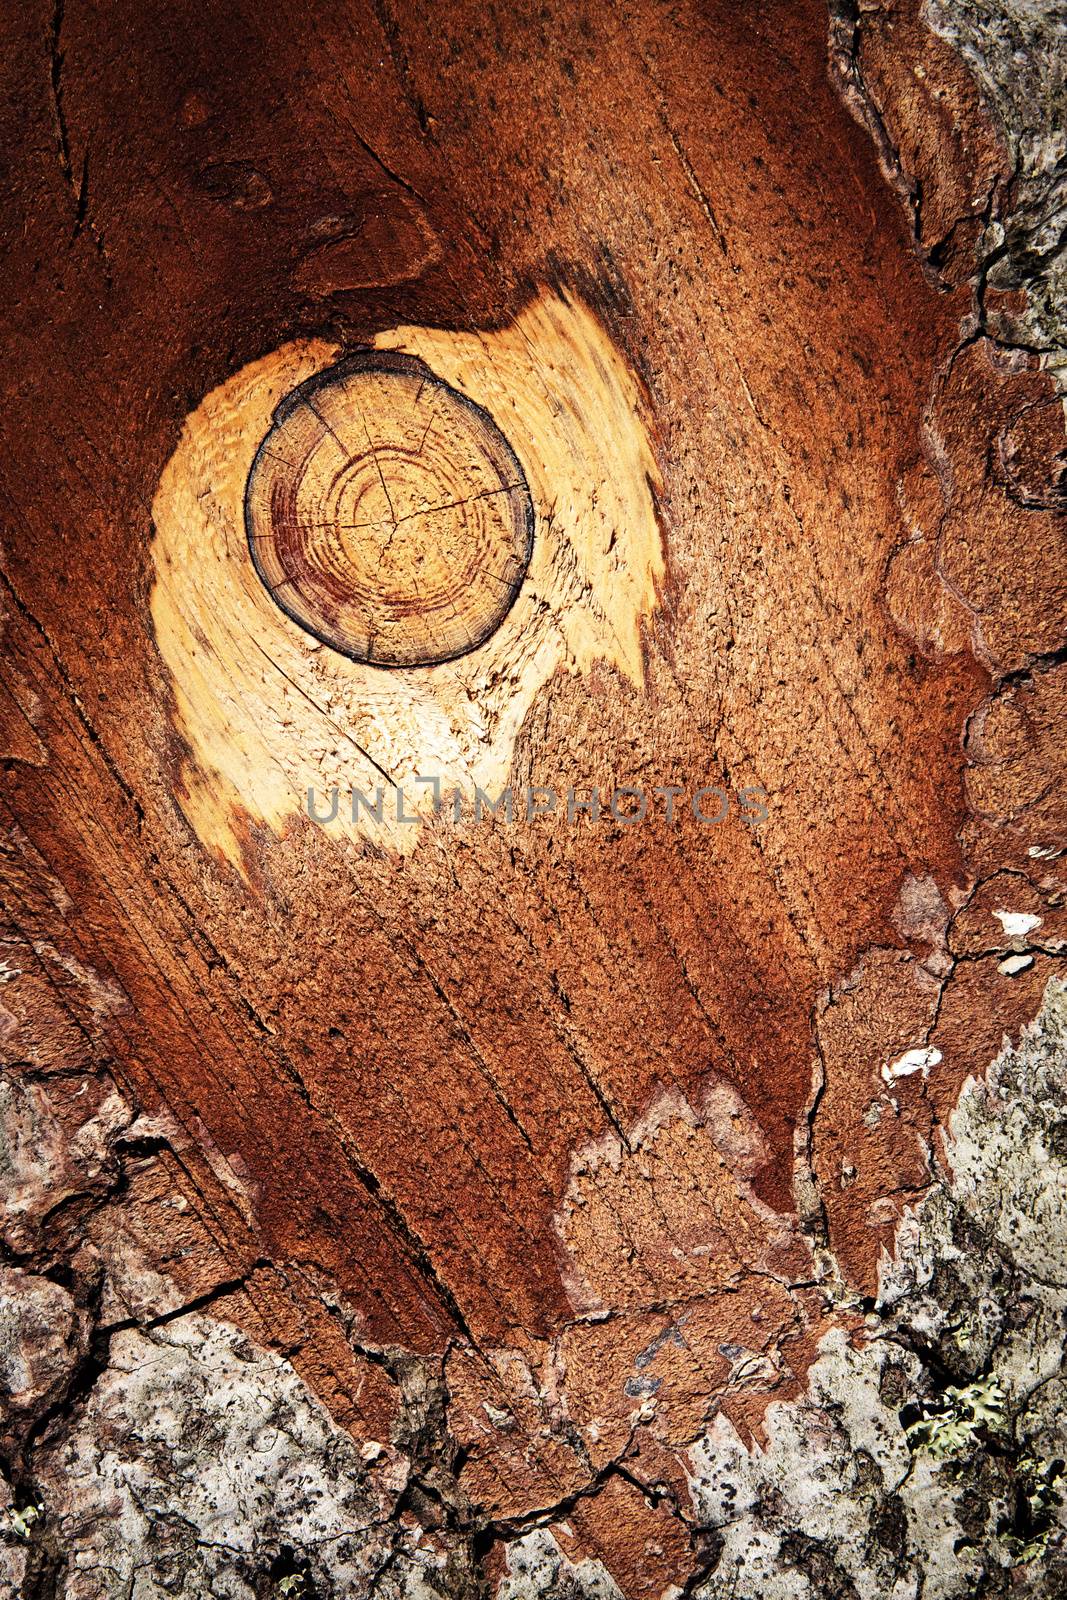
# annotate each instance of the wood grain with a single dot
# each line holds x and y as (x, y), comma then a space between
(500, 1107)
(267, 716)
(388, 515)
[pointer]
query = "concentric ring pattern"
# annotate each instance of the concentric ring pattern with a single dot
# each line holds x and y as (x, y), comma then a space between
(387, 514)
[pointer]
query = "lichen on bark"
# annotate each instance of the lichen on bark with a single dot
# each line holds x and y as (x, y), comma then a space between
(926, 1457)
(1017, 52)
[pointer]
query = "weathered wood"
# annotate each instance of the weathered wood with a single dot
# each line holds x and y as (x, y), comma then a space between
(684, 470)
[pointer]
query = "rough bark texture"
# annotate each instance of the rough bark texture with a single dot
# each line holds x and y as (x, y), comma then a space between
(524, 1208)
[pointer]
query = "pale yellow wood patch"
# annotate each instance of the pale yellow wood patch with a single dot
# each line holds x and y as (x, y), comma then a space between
(267, 712)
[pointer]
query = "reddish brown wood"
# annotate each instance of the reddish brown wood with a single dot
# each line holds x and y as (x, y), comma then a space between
(389, 1081)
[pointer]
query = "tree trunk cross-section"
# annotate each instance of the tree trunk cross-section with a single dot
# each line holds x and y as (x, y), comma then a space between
(532, 590)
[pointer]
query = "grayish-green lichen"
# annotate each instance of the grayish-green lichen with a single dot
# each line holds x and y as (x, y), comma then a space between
(202, 1466)
(927, 1457)
(1017, 52)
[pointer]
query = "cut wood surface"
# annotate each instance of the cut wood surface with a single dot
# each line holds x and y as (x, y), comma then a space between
(549, 397)
(267, 716)
(388, 515)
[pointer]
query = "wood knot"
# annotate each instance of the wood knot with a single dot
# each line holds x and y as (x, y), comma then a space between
(387, 514)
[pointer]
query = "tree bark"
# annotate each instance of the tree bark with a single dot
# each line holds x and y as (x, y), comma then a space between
(533, 702)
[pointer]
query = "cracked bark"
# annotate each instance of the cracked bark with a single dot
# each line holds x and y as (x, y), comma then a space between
(455, 1222)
